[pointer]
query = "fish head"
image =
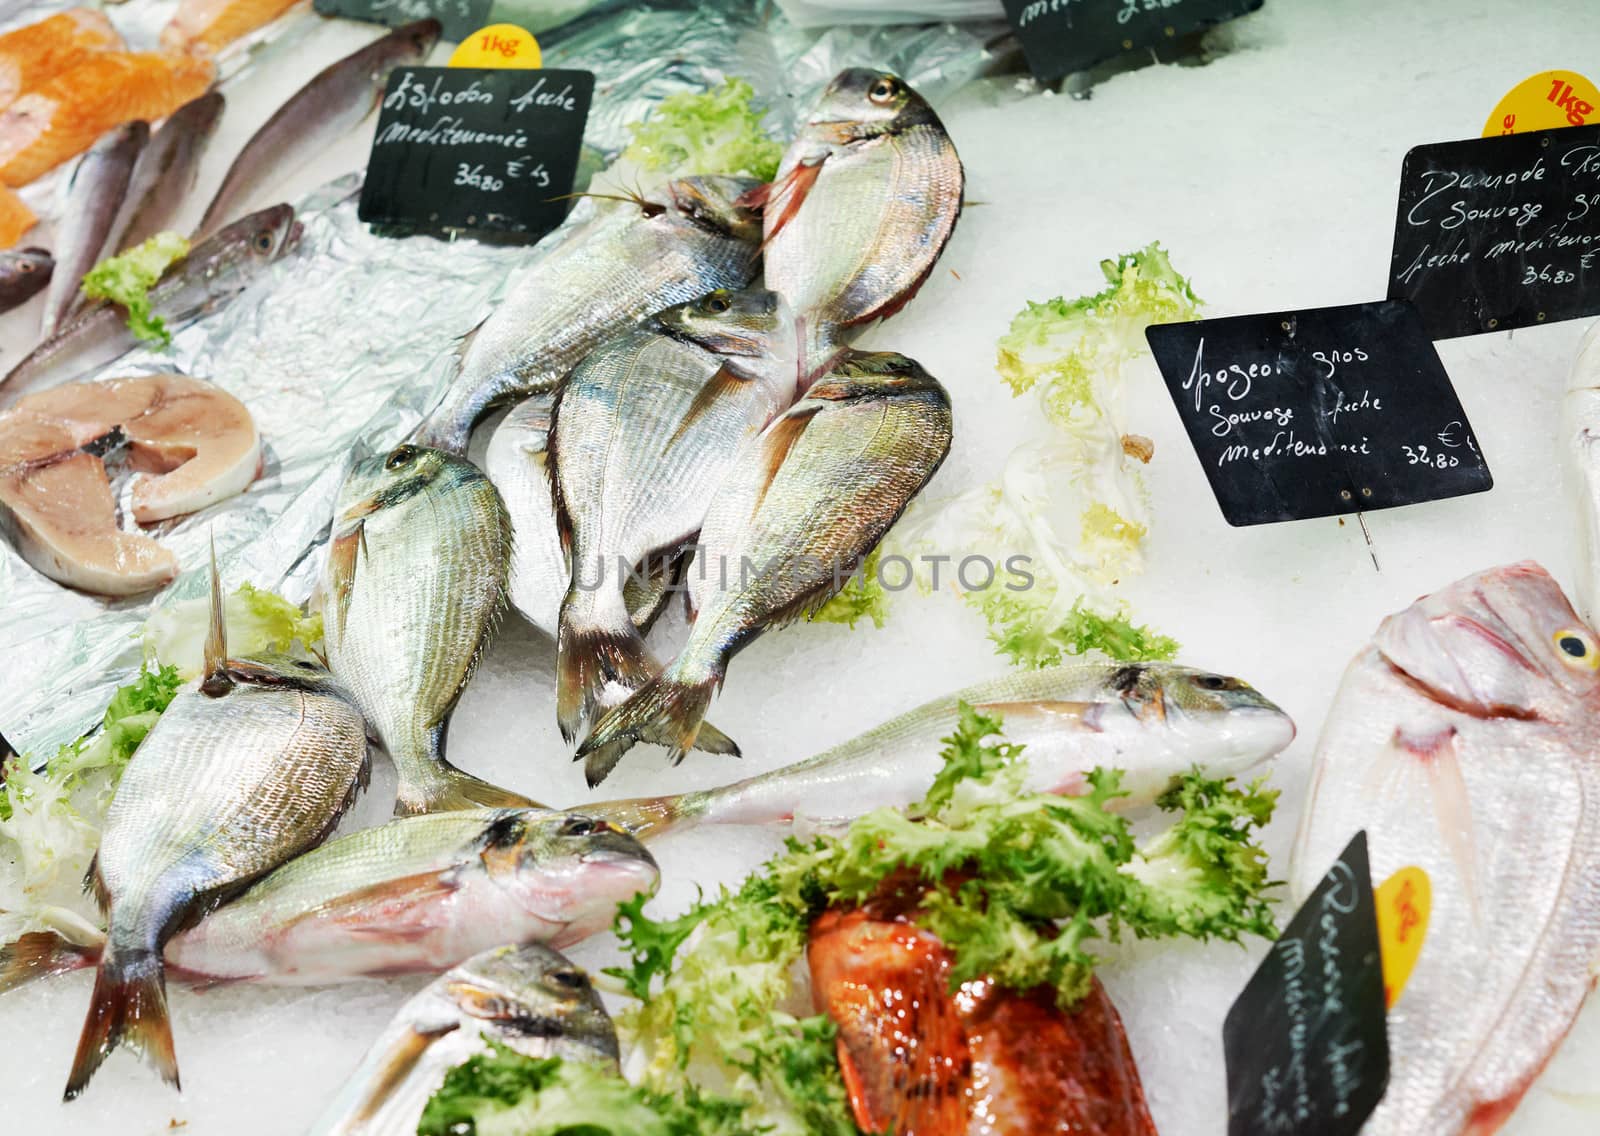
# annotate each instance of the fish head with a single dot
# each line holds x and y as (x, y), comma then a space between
(862, 103)
(873, 374)
(531, 991)
(258, 239)
(715, 205)
(392, 477)
(409, 41)
(1502, 643)
(28, 261)
(284, 671)
(1226, 724)
(751, 323)
(567, 868)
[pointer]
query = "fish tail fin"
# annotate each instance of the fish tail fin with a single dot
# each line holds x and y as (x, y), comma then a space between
(41, 954)
(590, 655)
(667, 711)
(451, 789)
(129, 1004)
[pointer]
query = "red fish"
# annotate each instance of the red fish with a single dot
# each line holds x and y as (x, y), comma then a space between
(921, 1060)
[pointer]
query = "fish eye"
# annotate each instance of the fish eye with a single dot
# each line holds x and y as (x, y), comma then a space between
(580, 826)
(571, 979)
(400, 456)
(1577, 649)
(1216, 682)
(884, 90)
(263, 241)
(717, 303)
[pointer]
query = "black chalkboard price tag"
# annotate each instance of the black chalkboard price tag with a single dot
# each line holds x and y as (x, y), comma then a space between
(1307, 1042)
(472, 148)
(457, 18)
(1502, 232)
(1320, 412)
(1059, 37)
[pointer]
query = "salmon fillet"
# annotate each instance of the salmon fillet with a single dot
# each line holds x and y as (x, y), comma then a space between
(32, 54)
(191, 443)
(15, 218)
(918, 1060)
(63, 116)
(213, 24)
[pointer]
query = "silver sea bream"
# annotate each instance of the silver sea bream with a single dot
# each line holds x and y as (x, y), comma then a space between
(611, 263)
(645, 430)
(801, 507)
(414, 582)
(528, 998)
(866, 199)
(238, 776)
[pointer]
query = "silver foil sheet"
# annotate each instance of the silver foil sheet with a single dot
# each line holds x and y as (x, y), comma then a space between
(348, 341)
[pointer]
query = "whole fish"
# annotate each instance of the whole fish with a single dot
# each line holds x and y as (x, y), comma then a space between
(516, 461)
(1581, 428)
(918, 1058)
(166, 172)
(529, 999)
(94, 196)
(414, 582)
(1462, 741)
(241, 774)
(415, 896)
(23, 273)
(645, 430)
(315, 117)
(863, 204)
(804, 504)
(214, 272)
(610, 264)
(1153, 721)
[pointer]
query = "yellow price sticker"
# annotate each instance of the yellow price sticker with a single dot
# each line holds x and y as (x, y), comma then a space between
(1403, 901)
(1545, 101)
(498, 45)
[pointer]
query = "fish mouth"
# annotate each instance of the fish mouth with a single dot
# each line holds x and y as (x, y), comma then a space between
(613, 847)
(292, 238)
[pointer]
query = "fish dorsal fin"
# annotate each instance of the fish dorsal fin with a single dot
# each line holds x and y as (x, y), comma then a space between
(217, 682)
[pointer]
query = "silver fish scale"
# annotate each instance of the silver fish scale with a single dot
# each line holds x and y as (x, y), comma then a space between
(1512, 852)
(223, 790)
(515, 461)
(600, 273)
(628, 487)
(860, 242)
(429, 579)
(857, 464)
(418, 847)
